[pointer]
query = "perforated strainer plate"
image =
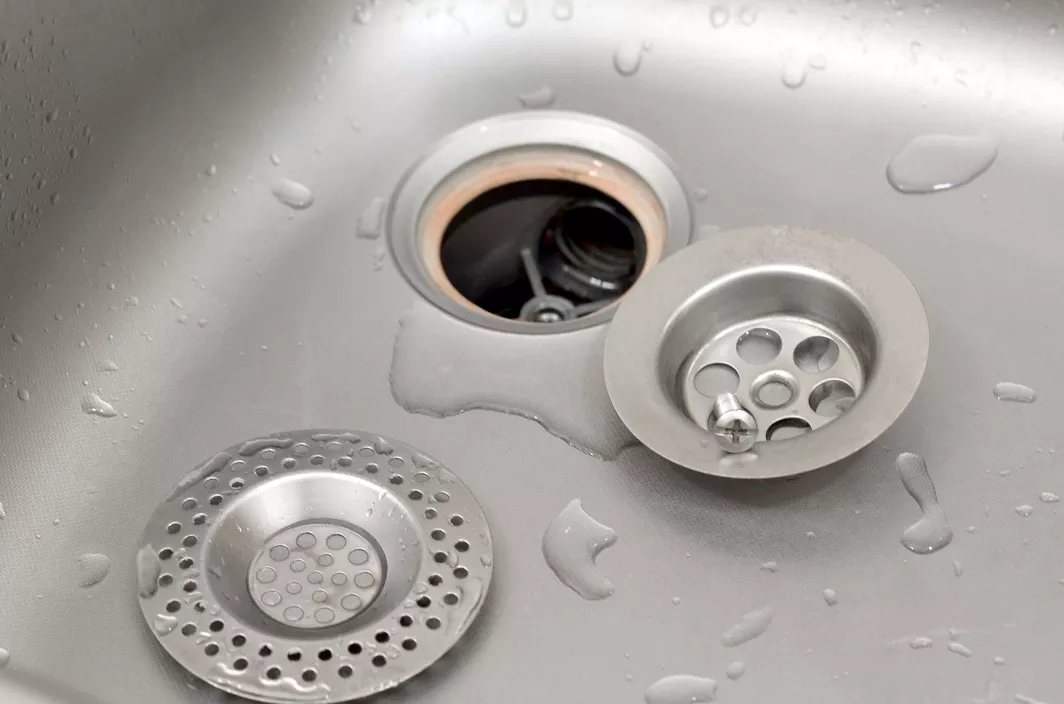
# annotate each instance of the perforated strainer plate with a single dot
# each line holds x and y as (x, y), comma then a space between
(318, 566)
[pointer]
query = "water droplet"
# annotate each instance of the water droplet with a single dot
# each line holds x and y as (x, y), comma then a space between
(750, 626)
(958, 568)
(293, 194)
(561, 387)
(1024, 510)
(628, 57)
(378, 259)
(719, 16)
(2, 514)
(748, 15)
(955, 647)
(1047, 497)
(932, 532)
(164, 624)
(570, 545)
(563, 10)
(818, 62)
(938, 162)
(5, 658)
(363, 12)
(770, 567)
(1016, 393)
(371, 222)
(681, 689)
(999, 660)
(831, 598)
(1024, 699)
(735, 670)
(203, 322)
(275, 160)
(516, 13)
(23, 395)
(211, 466)
(794, 72)
(920, 643)
(676, 601)
(182, 318)
(212, 170)
(92, 569)
(96, 406)
(148, 570)
(16, 338)
(537, 99)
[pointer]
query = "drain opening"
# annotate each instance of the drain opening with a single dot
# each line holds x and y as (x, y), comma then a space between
(543, 251)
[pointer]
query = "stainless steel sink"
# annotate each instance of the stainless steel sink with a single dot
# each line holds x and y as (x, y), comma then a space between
(145, 259)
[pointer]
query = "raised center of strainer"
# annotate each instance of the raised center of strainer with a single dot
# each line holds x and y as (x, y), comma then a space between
(317, 575)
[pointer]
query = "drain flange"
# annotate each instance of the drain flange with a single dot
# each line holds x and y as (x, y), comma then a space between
(315, 565)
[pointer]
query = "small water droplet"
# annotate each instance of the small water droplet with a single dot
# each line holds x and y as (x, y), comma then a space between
(932, 532)
(570, 545)
(212, 170)
(164, 624)
(748, 15)
(363, 12)
(1024, 510)
(5, 658)
(831, 598)
(293, 194)
(750, 626)
(1015, 393)
(562, 10)
(681, 689)
(182, 318)
(2, 514)
(958, 568)
(735, 670)
(516, 13)
(378, 259)
(920, 643)
(203, 322)
(371, 222)
(794, 72)
(23, 395)
(999, 660)
(818, 62)
(538, 99)
(719, 15)
(275, 160)
(1048, 497)
(939, 162)
(16, 338)
(770, 567)
(96, 406)
(92, 568)
(955, 647)
(628, 57)
(676, 601)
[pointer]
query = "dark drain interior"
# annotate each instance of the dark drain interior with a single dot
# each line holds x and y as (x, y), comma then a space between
(543, 251)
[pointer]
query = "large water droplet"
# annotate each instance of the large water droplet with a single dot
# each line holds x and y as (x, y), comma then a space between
(516, 13)
(1047, 497)
(537, 99)
(92, 569)
(96, 406)
(1024, 510)
(164, 624)
(719, 15)
(570, 545)
(562, 10)
(938, 162)
(932, 532)
(293, 194)
(681, 689)
(1016, 393)
(628, 57)
(750, 626)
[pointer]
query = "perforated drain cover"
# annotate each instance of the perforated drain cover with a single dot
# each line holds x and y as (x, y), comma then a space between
(318, 566)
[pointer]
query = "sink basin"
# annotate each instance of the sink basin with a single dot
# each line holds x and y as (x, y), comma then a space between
(193, 252)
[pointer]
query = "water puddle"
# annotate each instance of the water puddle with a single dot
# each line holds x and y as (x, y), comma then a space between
(554, 380)
(750, 626)
(96, 406)
(538, 99)
(572, 542)
(92, 569)
(939, 162)
(932, 532)
(293, 194)
(148, 571)
(1014, 393)
(681, 689)
(628, 57)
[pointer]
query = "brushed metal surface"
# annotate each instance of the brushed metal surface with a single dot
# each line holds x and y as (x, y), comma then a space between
(167, 90)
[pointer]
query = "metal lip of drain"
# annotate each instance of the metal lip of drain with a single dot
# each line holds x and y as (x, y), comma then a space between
(528, 146)
(314, 565)
(824, 341)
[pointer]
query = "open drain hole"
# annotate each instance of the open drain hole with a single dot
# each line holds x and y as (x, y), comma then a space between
(543, 251)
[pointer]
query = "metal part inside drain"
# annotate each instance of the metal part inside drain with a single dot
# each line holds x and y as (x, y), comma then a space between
(314, 566)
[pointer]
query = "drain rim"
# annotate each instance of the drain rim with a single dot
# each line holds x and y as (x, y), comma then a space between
(402, 615)
(640, 394)
(575, 143)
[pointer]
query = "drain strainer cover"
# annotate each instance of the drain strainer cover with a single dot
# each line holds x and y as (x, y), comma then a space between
(316, 565)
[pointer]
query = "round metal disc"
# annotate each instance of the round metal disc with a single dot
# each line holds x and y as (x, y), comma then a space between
(315, 565)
